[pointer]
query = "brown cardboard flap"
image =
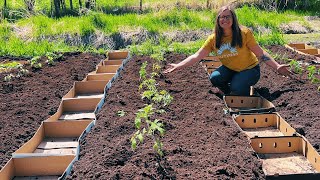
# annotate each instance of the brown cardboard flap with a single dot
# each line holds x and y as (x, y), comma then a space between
(264, 125)
(100, 77)
(310, 51)
(246, 121)
(65, 128)
(80, 105)
(116, 55)
(243, 102)
(42, 166)
(107, 69)
(247, 102)
(112, 62)
(272, 145)
(298, 46)
(312, 155)
(7, 172)
(86, 88)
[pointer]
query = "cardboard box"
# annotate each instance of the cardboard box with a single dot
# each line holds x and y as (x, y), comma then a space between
(310, 51)
(87, 89)
(112, 62)
(263, 125)
(287, 157)
(117, 55)
(100, 77)
(36, 167)
(75, 109)
(247, 104)
(107, 69)
(54, 139)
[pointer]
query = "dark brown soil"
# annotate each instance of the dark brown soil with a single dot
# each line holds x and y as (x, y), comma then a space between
(200, 141)
(28, 101)
(297, 102)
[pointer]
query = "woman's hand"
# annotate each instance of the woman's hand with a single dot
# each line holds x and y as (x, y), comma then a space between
(171, 68)
(283, 70)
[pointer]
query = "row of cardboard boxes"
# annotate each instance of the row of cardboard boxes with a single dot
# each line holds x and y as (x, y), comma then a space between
(55, 146)
(304, 48)
(285, 153)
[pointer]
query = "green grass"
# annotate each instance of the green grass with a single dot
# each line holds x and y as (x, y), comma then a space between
(151, 48)
(37, 27)
(302, 38)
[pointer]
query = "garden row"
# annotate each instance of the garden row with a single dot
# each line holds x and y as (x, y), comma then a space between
(53, 149)
(284, 152)
(200, 141)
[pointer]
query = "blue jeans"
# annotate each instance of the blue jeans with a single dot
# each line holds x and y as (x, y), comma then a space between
(235, 83)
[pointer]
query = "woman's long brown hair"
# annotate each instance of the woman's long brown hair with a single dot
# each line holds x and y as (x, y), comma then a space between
(236, 32)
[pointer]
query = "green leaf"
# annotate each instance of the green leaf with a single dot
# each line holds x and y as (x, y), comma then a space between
(121, 113)
(133, 143)
(140, 137)
(137, 122)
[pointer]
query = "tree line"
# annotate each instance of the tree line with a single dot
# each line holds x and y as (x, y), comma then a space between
(59, 8)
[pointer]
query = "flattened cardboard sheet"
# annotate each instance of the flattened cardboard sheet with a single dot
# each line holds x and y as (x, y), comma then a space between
(286, 163)
(92, 95)
(58, 143)
(77, 115)
(263, 132)
(65, 151)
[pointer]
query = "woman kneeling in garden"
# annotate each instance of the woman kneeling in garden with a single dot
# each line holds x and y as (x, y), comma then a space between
(238, 51)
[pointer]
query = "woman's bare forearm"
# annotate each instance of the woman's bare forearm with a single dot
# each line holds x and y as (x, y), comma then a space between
(189, 61)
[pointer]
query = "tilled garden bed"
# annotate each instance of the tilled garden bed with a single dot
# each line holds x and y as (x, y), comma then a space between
(32, 99)
(201, 142)
(297, 102)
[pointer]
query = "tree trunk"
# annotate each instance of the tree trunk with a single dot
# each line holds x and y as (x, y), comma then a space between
(80, 3)
(57, 7)
(306, 4)
(71, 5)
(63, 4)
(140, 5)
(5, 4)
